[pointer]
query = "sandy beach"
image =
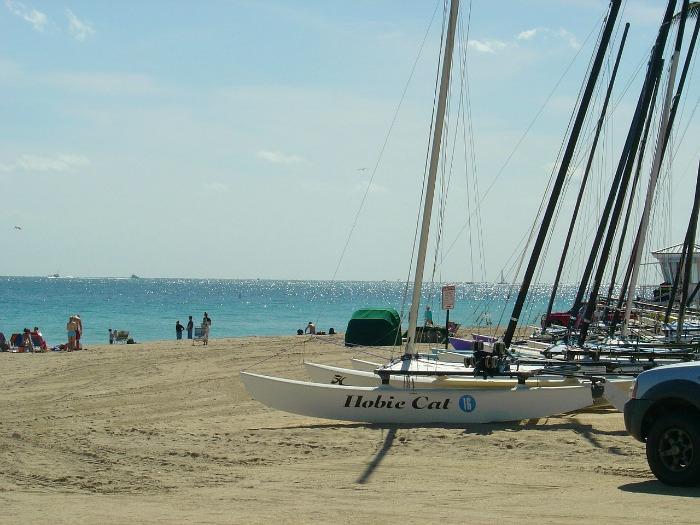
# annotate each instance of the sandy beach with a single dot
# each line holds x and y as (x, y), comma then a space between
(164, 432)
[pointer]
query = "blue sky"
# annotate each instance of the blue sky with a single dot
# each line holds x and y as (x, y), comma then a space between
(236, 139)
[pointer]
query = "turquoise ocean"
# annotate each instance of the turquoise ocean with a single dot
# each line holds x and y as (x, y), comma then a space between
(149, 308)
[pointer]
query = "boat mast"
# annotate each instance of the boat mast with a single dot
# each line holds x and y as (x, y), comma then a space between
(690, 240)
(622, 173)
(563, 170)
(432, 175)
(681, 83)
(584, 180)
(640, 159)
(662, 142)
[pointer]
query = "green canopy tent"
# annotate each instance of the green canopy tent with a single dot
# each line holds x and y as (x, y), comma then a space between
(374, 327)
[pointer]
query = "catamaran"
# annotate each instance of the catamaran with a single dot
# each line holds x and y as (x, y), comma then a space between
(416, 391)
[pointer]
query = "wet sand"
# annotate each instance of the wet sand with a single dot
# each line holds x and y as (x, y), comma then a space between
(164, 432)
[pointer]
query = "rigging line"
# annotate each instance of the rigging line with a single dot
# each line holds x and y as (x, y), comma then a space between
(544, 198)
(446, 176)
(427, 153)
(687, 125)
(626, 87)
(530, 125)
(539, 111)
(690, 76)
(450, 171)
(472, 149)
(384, 145)
(445, 180)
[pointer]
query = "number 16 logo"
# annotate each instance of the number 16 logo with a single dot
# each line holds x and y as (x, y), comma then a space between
(467, 403)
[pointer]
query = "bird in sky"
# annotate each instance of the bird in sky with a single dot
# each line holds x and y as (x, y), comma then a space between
(18, 227)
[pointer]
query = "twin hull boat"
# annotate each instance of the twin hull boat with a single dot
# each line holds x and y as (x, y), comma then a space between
(388, 404)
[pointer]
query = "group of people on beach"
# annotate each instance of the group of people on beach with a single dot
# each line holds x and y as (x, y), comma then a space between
(27, 341)
(205, 327)
(33, 340)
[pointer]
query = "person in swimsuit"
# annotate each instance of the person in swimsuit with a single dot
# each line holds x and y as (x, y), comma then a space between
(71, 329)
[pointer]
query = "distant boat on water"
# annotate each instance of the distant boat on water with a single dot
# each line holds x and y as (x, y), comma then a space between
(53, 276)
(134, 276)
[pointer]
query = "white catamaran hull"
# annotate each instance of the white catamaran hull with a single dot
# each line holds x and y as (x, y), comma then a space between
(335, 375)
(361, 364)
(390, 405)
(617, 391)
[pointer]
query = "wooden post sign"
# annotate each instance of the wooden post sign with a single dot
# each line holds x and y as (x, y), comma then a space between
(448, 297)
(448, 303)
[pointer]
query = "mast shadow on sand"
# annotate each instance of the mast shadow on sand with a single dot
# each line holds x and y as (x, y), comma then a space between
(378, 457)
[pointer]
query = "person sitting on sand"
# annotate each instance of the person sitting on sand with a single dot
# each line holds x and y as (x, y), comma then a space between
(310, 328)
(27, 341)
(36, 334)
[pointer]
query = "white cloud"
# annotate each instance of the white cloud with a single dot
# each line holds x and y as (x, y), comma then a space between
(78, 28)
(527, 34)
(569, 38)
(37, 19)
(59, 163)
(486, 46)
(545, 32)
(277, 157)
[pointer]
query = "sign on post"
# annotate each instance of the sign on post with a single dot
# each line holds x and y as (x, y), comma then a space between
(448, 297)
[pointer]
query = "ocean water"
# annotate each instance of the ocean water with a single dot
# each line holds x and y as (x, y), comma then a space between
(149, 308)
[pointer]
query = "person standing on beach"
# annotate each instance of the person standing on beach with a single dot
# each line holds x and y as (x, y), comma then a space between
(111, 336)
(78, 331)
(428, 316)
(178, 330)
(206, 325)
(71, 328)
(190, 327)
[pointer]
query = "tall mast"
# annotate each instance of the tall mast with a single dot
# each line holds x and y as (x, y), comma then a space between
(635, 181)
(432, 175)
(690, 240)
(662, 141)
(692, 230)
(681, 83)
(676, 280)
(563, 169)
(624, 165)
(591, 155)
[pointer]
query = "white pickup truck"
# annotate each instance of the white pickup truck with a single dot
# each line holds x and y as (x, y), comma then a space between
(664, 412)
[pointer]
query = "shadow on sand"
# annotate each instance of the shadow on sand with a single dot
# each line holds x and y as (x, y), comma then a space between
(585, 430)
(656, 487)
(378, 457)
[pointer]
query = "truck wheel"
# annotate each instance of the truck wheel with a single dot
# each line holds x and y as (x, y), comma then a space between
(673, 450)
